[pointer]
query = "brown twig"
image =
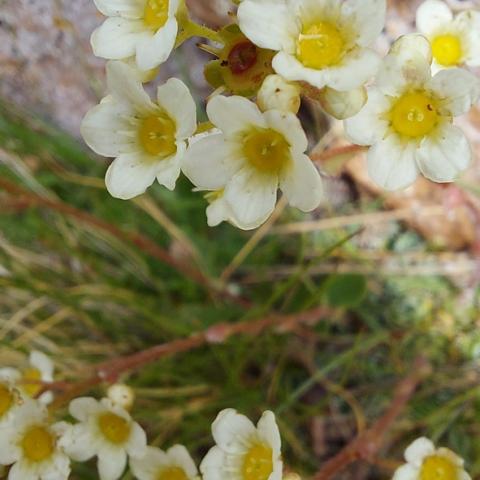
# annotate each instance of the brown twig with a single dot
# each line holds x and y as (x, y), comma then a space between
(367, 444)
(110, 371)
(144, 243)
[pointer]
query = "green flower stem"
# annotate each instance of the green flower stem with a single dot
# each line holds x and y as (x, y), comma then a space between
(191, 29)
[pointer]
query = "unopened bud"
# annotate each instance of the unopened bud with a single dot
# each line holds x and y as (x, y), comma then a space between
(278, 94)
(121, 395)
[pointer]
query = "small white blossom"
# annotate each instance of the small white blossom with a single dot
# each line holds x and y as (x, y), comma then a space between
(243, 451)
(106, 431)
(322, 42)
(31, 445)
(425, 462)
(40, 369)
(174, 464)
(455, 40)
(408, 118)
(255, 154)
(147, 139)
(146, 29)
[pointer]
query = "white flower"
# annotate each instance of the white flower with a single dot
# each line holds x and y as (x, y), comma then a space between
(105, 430)
(243, 451)
(174, 464)
(32, 445)
(148, 139)
(278, 94)
(455, 40)
(425, 462)
(254, 155)
(146, 29)
(408, 118)
(322, 42)
(40, 370)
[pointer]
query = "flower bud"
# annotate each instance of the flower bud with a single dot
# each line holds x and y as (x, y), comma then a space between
(278, 94)
(121, 395)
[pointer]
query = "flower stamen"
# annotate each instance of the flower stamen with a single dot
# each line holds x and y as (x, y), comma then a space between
(114, 428)
(38, 444)
(447, 50)
(414, 115)
(320, 45)
(156, 13)
(157, 135)
(436, 467)
(258, 464)
(266, 149)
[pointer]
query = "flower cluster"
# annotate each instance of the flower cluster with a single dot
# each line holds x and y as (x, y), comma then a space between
(33, 446)
(275, 52)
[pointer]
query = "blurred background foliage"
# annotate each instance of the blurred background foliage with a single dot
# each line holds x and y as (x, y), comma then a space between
(84, 293)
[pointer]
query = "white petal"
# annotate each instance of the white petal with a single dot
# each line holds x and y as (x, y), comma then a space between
(343, 105)
(252, 197)
(155, 50)
(367, 17)
(117, 38)
(107, 128)
(432, 15)
(268, 431)
(130, 175)
(277, 473)
(369, 126)
(217, 212)
(406, 472)
(212, 464)
(468, 22)
(418, 450)
(457, 89)
(43, 364)
(268, 24)
(78, 443)
(290, 127)
(58, 468)
(168, 169)
(289, 67)
(137, 443)
(10, 375)
(443, 156)
(175, 98)
(179, 456)
(123, 82)
(22, 471)
(234, 114)
(147, 467)
(211, 162)
(355, 69)
(301, 183)
(46, 398)
(231, 430)
(9, 451)
(407, 65)
(391, 163)
(121, 8)
(82, 408)
(111, 463)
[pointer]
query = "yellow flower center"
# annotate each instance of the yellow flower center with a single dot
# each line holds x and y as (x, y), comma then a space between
(31, 375)
(157, 135)
(258, 463)
(156, 13)
(267, 150)
(320, 45)
(436, 467)
(38, 444)
(414, 115)
(6, 400)
(114, 427)
(447, 50)
(172, 473)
